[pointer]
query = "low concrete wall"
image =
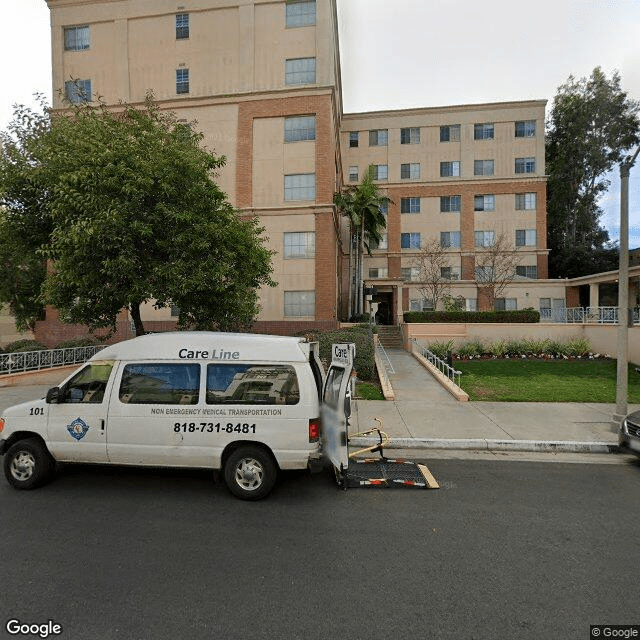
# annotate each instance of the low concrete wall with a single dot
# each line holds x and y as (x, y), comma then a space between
(385, 383)
(603, 337)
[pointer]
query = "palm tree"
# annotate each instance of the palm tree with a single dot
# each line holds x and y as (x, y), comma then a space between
(362, 205)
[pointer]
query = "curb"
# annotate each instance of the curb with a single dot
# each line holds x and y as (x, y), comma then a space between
(483, 444)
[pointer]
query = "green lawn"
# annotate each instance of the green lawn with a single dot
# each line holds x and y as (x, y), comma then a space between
(544, 380)
(369, 391)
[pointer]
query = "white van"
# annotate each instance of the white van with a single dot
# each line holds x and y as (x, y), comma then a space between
(243, 403)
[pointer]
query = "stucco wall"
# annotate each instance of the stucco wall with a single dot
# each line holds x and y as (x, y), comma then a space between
(603, 338)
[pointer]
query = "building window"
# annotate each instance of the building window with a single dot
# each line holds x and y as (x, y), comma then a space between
(485, 238)
(380, 172)
(182, 80)
(182, 26)
(525, 201)
(409, 205)
(300, 186)
(484, 274)
(483, 167)
(301, 13)
(383, 244)
(77, 91)
(299, 303)
(300, 244)
(471, 304)
(526, 271)
(450, 169)
(299, 128)
(484, 203)
(450, 204)
(379, 138)
(410, 171)
(354, 138)
(353, 173)
(77, 38)
(410, 274)
(378, 272)
(483, 131)
(525, 237)
(450, 133)
(300, 71)
(450, 239)
(410, 135)
(506, 304)
(525, 165)
(421, 305)
(450, 273)
(526, 129)
(410, 240)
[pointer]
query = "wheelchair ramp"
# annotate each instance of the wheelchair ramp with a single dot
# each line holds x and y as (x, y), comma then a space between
(383, 472)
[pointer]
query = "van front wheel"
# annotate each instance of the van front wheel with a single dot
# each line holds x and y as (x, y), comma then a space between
(28, 464)
(250, 473)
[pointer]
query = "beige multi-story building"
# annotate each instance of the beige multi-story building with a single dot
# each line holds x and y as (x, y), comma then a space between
(262, 80)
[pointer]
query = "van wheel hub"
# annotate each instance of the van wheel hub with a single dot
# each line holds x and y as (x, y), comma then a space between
(22, 466)
(249, 473)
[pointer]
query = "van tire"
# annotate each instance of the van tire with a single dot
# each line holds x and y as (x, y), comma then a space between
(28, 464)
(250, 473)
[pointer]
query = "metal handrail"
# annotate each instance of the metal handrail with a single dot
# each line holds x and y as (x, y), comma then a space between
(19, 362)
(446, 370)
(384, 357)
(586, 315)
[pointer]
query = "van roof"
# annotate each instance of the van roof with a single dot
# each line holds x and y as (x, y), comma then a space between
(208, 345)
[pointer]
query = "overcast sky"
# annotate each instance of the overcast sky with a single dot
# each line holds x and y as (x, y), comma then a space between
(415, 53)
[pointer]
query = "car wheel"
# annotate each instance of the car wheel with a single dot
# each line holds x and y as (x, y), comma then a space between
(250, 473)
(28, 464)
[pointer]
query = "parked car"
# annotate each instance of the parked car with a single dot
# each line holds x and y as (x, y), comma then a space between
(629, 435)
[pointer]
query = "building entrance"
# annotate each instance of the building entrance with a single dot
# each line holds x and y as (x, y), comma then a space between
(385, 307)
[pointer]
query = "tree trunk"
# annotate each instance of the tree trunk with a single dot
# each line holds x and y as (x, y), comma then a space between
(134, 310)
(351, 273)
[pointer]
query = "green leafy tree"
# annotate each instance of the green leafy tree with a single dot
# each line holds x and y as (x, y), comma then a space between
(131, 214)
(361, 205)
(591, 125)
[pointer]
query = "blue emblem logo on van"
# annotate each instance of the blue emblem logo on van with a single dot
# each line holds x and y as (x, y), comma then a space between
(78, 429)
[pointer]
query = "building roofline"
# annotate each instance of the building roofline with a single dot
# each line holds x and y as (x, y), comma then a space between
(443, 109)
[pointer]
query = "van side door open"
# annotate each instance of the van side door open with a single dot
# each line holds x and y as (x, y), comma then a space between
(336, 406)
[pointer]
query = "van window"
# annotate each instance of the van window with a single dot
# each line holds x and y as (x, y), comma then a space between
(332, 388)
(252, 384)
(160, 384)
(88, 385)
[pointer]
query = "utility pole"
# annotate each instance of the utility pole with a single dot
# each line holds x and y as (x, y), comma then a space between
(622, 380)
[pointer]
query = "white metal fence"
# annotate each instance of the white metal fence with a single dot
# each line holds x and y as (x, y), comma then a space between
(586, 315)
(34, 360)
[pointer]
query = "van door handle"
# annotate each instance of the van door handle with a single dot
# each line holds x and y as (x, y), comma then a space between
(101, 425)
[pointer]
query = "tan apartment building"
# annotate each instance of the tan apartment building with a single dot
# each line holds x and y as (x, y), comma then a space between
(262, 80)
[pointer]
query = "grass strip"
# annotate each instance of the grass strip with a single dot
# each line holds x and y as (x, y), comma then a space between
(544, 380)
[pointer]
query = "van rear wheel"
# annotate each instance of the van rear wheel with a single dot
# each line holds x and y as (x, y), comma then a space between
(28, 464)
(250, 473)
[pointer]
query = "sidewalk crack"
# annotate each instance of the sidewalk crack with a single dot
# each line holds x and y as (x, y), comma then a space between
(488, 417)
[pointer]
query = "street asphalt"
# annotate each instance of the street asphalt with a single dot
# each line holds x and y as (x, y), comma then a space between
(425, 416)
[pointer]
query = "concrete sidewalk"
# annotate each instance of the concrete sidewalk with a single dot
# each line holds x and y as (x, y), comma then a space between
(425, 416)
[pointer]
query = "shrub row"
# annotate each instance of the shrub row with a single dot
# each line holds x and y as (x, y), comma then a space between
(364, 362)
(19, 346)
(574, 348)
(523, 315)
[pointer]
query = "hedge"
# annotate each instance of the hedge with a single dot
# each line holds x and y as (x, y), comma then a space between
(524, 315)
(364, 362)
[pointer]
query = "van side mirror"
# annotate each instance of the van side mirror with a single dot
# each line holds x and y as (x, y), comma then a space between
(52, 395)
